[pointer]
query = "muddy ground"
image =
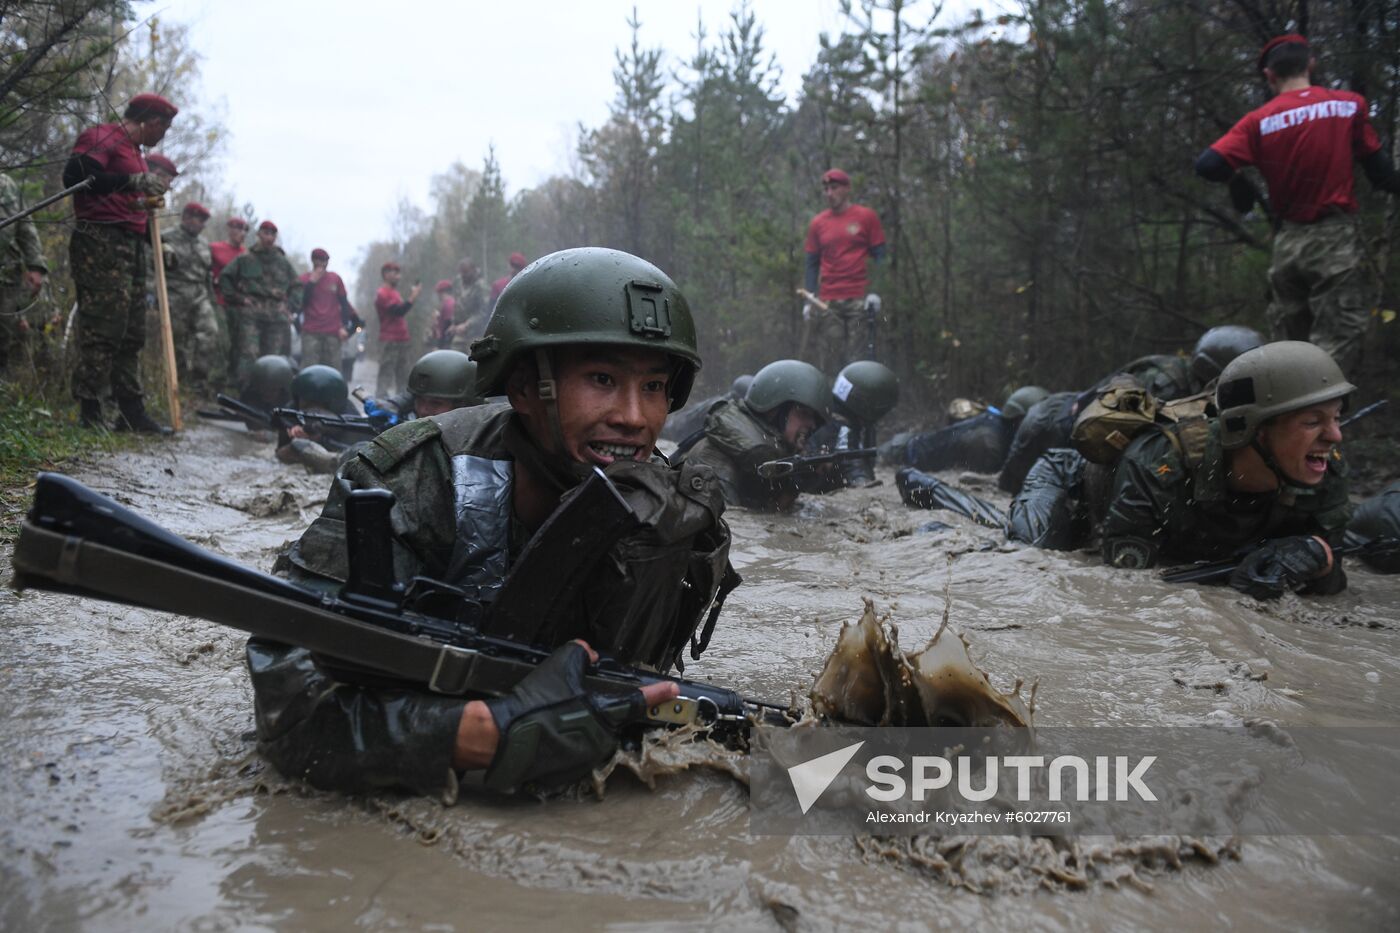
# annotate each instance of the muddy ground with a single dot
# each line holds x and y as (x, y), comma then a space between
(131, 796)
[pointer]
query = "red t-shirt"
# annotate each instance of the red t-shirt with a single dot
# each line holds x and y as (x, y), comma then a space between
(320, 309)
(110, 147)
(220, 255)
(1303, 142)
(393, 328)
(843, 240)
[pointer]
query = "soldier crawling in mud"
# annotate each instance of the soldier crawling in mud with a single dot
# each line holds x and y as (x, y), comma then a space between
(589, 369)
(979, 443)
(1167, 377)
(863, 393)
(785, 403)
(439, 381)
(317, 389)
(1267, 469)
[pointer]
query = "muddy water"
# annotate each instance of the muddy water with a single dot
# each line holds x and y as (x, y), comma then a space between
(130, 797)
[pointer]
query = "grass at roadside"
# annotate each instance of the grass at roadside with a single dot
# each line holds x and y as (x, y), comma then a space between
(37, 434)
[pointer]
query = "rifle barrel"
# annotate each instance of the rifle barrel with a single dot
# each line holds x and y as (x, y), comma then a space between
(16, 218)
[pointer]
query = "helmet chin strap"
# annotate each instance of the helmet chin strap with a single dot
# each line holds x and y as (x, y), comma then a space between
(549, 394)
(1284, 483)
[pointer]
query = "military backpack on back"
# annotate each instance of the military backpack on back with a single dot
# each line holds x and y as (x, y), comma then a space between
(1108, 424)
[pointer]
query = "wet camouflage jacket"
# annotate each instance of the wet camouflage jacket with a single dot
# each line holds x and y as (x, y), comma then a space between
(453, 519)
(19, 242)
(736, 441)
(261, 278)
(1166, 501)
(978, 444)
(1166, 376)
(1378, 517)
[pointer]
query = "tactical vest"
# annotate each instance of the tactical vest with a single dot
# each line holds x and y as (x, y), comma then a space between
(1108, 424)
(645, 600)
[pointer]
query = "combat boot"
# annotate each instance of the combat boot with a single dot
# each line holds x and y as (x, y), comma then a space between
(133, 417)
(90, 413)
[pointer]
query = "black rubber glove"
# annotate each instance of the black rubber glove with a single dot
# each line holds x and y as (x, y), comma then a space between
(553, 731)
(1279, 565)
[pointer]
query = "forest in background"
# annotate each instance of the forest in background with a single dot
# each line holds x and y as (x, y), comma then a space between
(1032, 169)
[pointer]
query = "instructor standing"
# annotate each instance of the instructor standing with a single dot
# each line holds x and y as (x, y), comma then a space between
(1303, 142)
(838, 240)
(108, 251)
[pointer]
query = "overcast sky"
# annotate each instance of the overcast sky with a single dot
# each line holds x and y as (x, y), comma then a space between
(338, 110)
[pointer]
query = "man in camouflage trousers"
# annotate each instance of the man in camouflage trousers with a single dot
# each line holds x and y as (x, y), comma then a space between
(470, 312)
(200, 351)
(1304, 142)
(108, 254)
(22, 271)
(263, 290)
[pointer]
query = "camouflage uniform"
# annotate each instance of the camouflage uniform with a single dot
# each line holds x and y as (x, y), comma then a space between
(1378, 517)
(262, 289)
(109, 272)
(200, 344)
(471, 309)
(19, 251)
(1323, 286)
(736, 441)
(837, 332)
(1168, 497)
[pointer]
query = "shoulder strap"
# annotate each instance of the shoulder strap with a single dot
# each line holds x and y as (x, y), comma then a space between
(387, 449)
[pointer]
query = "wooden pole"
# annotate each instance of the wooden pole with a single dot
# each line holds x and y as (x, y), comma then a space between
(167, 337)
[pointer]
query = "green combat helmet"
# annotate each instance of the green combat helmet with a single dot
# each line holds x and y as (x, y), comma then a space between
(1021, 401)
(269, 380)
(740, 386)
(1273, 380)
(1217, 347)
(446, 374)
(788, 381)
(322, 386)
(592, 296)
(865, 391)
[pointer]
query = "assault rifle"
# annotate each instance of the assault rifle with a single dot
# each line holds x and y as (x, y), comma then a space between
(354, 424)
(236, 410)
(429, 634)
(790, 466)
(1219, 571)
(1360, 413)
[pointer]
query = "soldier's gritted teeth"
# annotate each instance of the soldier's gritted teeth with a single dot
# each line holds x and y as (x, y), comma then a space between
(1302, 442)
(612, 402)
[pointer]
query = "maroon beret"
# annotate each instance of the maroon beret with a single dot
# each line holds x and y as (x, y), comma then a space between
(319, 253)
(160, 163)
(518, 261)
(836, 177)
(197, 209)
(267, 225)
(238, 222)
(389, 266)
(145, 106)
(1276, 41)
(444, 285)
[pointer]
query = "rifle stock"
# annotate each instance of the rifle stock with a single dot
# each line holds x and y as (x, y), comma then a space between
(79, 542)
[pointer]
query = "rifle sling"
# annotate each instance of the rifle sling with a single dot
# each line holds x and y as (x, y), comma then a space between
(65, 563)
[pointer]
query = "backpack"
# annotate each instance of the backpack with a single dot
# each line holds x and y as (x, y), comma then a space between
(1108, 424)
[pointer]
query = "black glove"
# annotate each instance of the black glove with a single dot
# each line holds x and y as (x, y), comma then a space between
(1279, 565)
(553, 731)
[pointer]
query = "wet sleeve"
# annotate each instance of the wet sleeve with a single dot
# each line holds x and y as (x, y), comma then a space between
(1133, 528)
(1364, 141)
(346, 737)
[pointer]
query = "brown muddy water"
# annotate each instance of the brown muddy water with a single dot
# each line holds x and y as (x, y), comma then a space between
(131, 798)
